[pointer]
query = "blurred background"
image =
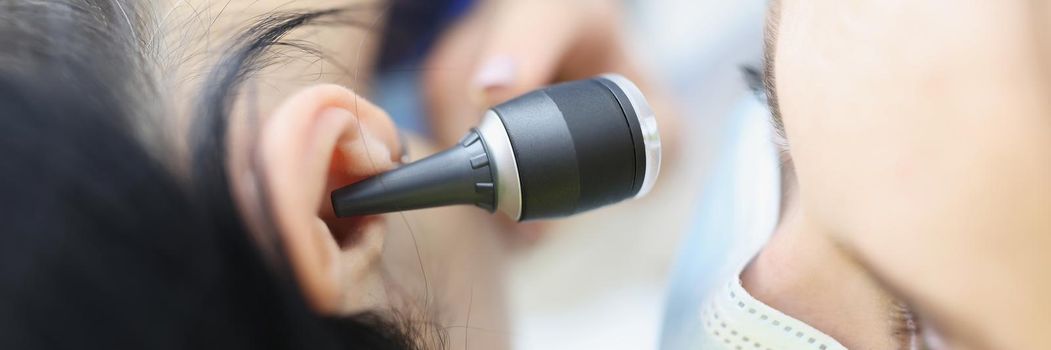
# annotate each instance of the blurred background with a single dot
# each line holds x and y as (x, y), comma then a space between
(603, 280)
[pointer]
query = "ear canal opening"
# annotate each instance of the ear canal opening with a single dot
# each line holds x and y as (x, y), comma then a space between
(459, 175)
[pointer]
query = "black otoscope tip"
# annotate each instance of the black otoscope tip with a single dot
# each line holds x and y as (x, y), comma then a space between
(551, 153)
(459, 175)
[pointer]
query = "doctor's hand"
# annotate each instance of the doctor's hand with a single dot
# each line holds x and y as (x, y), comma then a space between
(505, 48)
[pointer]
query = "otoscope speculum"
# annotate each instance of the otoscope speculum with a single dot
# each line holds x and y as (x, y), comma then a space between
(550, 153)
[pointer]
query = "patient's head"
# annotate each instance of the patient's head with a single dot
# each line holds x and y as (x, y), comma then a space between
(921, 144)
(157, 196)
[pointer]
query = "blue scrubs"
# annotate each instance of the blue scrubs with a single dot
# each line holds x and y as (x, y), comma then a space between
(737, 213)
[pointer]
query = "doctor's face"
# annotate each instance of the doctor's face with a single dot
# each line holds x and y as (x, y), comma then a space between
(921, 137)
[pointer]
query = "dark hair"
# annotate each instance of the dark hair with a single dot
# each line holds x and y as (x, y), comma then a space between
(104, 244)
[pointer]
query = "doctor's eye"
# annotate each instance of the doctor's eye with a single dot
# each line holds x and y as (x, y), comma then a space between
(913, 331)
(906, 326)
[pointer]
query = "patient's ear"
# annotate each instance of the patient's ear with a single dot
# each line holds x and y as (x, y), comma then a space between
(322, 138)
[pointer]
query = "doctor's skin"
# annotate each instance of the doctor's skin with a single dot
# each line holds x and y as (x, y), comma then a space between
(920, 134)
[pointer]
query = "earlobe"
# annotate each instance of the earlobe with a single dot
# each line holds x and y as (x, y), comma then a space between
(321, 138)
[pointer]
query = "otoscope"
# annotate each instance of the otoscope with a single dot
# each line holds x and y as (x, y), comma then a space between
(550, 153)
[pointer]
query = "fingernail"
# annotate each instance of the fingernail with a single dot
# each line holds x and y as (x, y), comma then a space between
(403, 158)
(495, 73)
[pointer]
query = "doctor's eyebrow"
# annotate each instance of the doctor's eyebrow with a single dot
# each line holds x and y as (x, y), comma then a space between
(918, 309)
(900, 314)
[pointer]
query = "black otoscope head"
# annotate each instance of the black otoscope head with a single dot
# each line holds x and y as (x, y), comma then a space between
(553, 152)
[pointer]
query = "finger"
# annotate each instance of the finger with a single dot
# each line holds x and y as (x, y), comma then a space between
(479, 62)
(518, 53)
(445, 81)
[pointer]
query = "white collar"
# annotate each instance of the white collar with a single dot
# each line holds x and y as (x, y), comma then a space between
(735, 319)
